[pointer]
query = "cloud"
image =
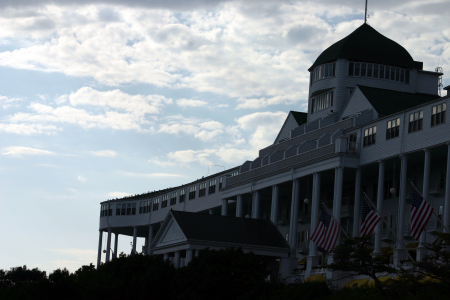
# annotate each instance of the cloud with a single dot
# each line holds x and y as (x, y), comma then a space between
(106, 153)
(264, 125)
(191, 103)
(81, 178)
(150, 175)
(6, 102)
(29, 129)
(118, 194)
(208, 135)
(137, 104)
(19, 151)
(72, 190)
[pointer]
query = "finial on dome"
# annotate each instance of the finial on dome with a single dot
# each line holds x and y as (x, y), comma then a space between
(365, 14)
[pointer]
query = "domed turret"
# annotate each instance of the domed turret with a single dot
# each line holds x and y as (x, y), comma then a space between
(368, 45)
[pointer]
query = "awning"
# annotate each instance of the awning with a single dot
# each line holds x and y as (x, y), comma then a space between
(302, 261)
(316, 278)
(357, 283)
(412, 246)
(387, 250)
(382, 279)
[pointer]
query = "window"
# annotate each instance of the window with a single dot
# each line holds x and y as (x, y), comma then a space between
(118, 207)
(322, 102)
(370, 136)
(202, 189)
(212, 186)
(123, 211)
(106, 210)
(155, 204)
(164, 201)
(235, 173)
(220, 182)
(323, 71)
(144, 207)
(182, 196)
(173, 198)
(192, 191)
(360, 69)
(352, 145)
(131, 208)
(393, 129)
(415, 121)
(438, 114)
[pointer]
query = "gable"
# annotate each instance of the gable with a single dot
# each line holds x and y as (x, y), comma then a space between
(356, 104)
(170, 233)
(293, 120)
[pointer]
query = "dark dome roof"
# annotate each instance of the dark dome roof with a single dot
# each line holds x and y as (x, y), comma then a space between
(367, 44)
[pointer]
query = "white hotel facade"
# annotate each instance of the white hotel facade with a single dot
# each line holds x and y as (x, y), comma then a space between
(375, 121)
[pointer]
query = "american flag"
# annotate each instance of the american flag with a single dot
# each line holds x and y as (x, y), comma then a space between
(326, 233)
(369, 218)
(420, 213)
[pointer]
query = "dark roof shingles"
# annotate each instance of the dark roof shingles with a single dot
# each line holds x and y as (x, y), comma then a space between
(243, 231)
(388, 102)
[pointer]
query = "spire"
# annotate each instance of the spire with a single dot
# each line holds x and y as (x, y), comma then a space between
(365, 14)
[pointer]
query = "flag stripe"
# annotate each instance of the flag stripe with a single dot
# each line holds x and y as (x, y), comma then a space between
(326, 233)
(369, 219)
(420, 213)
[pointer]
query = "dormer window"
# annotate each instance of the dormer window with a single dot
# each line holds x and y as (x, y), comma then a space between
(322, 102)
(323, 71)
(360, 69)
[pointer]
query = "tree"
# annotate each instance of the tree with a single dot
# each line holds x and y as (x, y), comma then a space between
(356, 258)
(224, 274)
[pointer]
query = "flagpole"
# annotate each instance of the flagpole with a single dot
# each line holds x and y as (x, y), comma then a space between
(434, 213)
(387, 225)
(326, 208)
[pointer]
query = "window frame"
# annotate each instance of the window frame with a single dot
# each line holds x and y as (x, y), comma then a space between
(415, 121)
(438, 114)
(370, 134)
(393, 128)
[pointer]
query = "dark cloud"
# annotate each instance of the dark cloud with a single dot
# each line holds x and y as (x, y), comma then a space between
(302, 34)
(165, 4)
(108, 15)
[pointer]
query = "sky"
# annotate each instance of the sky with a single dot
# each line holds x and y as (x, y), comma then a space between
(103, 99)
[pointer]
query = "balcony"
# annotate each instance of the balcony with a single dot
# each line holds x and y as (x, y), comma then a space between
(284, 165)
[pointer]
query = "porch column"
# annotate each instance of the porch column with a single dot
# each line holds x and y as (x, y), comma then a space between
(210, 211)
(166, 256)
(421, 250)
(274, 207)
(337, 200)
(255, 205)
(224, 207)
(116, 244)
(399, 252)
(99, 255)
(239, 206)
(150, 239)
(189, 254)
(313, 258)
(108, 246)
(447, 192)
(134, 239)
(380, 197)
(176, 259)
(294, 218)
(357, 211)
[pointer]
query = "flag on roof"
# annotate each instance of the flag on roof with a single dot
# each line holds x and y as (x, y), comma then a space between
(369, 218)
(326, 233)
(420, 213)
